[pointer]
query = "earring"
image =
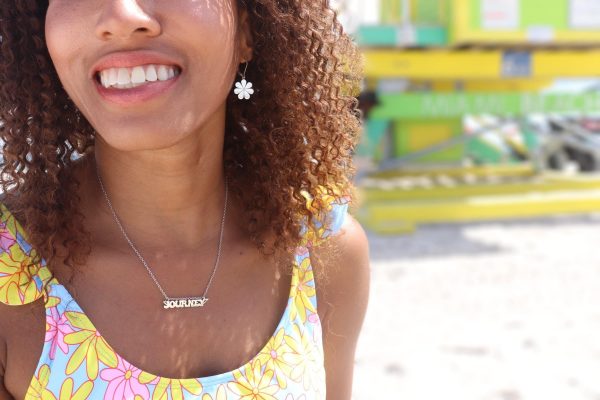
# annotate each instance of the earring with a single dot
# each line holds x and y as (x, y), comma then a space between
(244, 89)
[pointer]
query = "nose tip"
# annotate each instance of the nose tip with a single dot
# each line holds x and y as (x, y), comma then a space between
(124, 19)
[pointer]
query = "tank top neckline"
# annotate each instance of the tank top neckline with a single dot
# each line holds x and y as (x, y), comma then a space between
(71, 305)
(291, 362)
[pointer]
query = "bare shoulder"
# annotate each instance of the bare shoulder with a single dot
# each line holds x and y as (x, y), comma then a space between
(342, 269)
(3, 351)
(342, 275)
(15, 324)
(22, 330)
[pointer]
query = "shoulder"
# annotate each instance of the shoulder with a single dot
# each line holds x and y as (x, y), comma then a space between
(21, 277)
(342, 274)
(21, 282)
(342, 270)
(329, 214)
(339, 253)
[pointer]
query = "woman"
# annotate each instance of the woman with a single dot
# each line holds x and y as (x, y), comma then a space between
(166, 232)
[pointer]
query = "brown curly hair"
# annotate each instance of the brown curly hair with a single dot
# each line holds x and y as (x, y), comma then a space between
(292, 140)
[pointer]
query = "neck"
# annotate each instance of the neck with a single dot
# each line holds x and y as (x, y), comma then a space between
(169, 198)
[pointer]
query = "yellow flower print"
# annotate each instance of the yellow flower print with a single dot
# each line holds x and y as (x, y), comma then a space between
(308, 365)
(323, 202)
(322, 206)
(19, 281)
(92, 346)
(37, 388)
(53, 301)
(66, 390)
(312, 237)
(221, 394)
(301, 291)
(8, 219)
(275, 357)
(252, 384)
(173, 386)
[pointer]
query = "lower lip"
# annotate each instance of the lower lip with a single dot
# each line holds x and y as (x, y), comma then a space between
(136, 95)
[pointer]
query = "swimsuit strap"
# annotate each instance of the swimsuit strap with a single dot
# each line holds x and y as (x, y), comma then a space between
(22, 281)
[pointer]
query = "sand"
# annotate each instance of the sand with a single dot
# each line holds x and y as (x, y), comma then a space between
(487, 311)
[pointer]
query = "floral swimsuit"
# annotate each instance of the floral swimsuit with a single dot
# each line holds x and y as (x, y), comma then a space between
(78, 363)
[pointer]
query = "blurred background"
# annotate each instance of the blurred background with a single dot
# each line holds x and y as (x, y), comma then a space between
(479, 177)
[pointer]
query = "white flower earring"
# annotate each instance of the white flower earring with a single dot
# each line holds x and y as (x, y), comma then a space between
(244, 89)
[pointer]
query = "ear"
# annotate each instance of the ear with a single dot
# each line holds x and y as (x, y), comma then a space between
(245, 40)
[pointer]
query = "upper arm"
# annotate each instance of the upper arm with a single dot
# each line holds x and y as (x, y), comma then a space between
(4, 395)
(343, 276)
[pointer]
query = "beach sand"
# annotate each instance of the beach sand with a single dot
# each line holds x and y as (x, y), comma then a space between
(487, 311)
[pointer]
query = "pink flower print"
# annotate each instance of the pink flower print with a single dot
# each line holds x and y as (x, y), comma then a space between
(291, 397)
(58, 327)
(302, 251)
(317, 328)
(124, 382)
(314, 319)
(6, 239)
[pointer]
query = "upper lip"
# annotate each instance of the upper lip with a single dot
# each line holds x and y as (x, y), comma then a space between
(129, 59)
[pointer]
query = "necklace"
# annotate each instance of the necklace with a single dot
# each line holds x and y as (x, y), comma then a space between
(170, 302)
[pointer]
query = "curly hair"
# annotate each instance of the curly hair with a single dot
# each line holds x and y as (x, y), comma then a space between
(285, 149)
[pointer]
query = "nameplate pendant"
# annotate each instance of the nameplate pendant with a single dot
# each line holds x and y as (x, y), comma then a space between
(186, 302)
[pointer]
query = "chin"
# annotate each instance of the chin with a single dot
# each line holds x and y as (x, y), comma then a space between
(139, 140)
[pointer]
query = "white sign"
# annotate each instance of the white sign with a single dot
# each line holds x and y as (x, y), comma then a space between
(585, 14)
(540, 34)
(500, 14)
(354, 13)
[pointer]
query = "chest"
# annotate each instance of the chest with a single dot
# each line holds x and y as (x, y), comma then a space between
(121, 304)
(246, 300)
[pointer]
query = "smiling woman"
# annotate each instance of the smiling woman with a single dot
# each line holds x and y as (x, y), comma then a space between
(194, 220)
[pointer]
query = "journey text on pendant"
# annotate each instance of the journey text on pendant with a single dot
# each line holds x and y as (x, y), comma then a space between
(185, 303)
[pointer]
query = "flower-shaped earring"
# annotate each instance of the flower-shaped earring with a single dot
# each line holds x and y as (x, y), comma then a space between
(244, 89)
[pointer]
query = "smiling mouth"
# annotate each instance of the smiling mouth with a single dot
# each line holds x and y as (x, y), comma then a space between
(128, 78)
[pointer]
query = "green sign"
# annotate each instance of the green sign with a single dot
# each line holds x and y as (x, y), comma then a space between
(416, 106)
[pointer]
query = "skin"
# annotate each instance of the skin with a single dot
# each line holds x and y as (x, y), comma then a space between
(161, 163)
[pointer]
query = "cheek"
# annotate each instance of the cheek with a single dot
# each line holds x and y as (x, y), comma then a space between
(208, 42)
(53, 33)
(63, 37)
(208, 30)
(214, 14)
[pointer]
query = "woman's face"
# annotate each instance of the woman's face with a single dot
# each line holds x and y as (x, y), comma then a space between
(183, 54)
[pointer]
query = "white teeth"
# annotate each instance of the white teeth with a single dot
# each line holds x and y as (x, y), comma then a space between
(162, 73)
(125, 78)
(151, 73)
(104, 78)
(138, 75)
(113, 77)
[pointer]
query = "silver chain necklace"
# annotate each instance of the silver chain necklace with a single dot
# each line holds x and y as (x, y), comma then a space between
(171, 302)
